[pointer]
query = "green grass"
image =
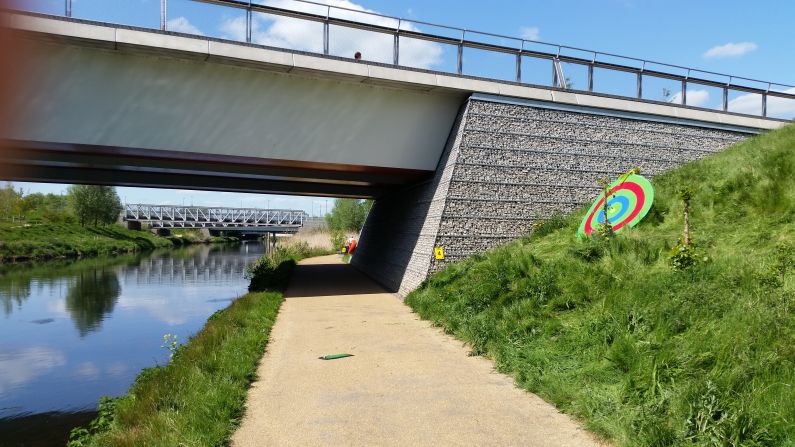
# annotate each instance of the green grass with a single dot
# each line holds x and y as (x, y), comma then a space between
(642, 354)
(37, 241)
(198, 398)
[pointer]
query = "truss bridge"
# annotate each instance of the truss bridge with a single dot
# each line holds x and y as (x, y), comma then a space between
(215, 218)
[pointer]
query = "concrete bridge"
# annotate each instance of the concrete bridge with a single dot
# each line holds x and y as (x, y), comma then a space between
(453, 160)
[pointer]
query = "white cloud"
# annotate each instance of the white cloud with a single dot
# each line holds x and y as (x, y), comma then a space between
(731, 50)
(87, 370)
(751, 104)
(286, 32)
(21, 366)
(182, 25)
(530, 32)
(695, 98)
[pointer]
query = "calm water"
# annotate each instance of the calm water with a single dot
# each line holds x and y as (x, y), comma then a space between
(72, 332)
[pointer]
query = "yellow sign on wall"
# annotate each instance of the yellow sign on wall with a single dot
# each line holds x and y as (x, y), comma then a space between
(439, 252)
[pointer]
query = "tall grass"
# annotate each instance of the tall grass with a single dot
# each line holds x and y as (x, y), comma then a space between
(643, 354)
(272, 271)
(315, 239)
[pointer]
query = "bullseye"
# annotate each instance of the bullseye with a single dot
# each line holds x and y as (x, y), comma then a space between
(616, 208)
(629, 199)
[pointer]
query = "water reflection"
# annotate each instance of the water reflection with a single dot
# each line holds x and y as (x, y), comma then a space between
(93, 294)
(13, 291)
(71, 332)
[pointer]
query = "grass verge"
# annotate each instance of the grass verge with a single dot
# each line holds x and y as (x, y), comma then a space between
(39, 241)
(644, 354)
(198, 398)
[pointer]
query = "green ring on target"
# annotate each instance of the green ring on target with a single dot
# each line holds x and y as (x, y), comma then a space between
(630, 200)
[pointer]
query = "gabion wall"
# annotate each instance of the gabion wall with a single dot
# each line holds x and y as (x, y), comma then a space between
(505, 167)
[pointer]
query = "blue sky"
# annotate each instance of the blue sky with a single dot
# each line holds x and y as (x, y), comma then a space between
(737, 37)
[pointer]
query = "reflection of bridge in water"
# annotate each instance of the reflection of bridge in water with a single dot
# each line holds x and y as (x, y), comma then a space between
(200, 267)
(215, 218)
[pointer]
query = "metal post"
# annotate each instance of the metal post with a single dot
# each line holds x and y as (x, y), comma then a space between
(519, 67)
(396, 46)
(248, 22)
(684, 92)
(461, 53)
(640, 85)
(590, 77)
(163, 14)
(68, 8)
(764, 104)
(325, 32)
(555, 79)
(726, 98)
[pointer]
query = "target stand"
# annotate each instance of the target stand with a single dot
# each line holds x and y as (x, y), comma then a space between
(629, 200)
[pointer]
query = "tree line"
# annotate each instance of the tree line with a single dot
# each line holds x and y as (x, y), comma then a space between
(91, 205)
(348, 215)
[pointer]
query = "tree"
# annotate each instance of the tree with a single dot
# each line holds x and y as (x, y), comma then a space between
(10, 201)
(94, 204)
(91, 297)
(348, 215)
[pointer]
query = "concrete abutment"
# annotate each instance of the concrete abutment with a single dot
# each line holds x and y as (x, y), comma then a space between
(509, 163)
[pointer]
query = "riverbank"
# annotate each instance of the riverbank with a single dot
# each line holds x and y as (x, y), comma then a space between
(198, 398)
(74, 330)
(182, 237)
(42, 241)
(20, 241)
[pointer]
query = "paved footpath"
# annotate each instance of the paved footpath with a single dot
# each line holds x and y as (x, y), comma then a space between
(408, 383)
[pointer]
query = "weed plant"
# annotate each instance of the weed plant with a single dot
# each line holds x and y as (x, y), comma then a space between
(645, 354)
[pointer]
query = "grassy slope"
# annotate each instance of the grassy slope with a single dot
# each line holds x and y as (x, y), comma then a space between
(51, 240)
(642, 354)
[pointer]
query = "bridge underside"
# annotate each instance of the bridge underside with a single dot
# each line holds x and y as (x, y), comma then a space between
(37, 161)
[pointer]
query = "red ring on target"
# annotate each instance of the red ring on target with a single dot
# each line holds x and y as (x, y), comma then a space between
(640, 197)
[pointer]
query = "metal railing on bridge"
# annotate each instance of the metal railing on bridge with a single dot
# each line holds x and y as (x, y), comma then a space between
(175, 216)
(644, 75)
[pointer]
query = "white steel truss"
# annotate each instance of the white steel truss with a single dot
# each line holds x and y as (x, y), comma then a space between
(171, 216)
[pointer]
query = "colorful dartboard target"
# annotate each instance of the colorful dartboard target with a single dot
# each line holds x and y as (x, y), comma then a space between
(629, 199)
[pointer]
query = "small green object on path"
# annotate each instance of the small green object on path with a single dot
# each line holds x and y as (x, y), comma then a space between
(334, 356)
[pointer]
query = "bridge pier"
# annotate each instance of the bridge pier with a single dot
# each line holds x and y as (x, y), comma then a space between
(133, 225)
(509, 163)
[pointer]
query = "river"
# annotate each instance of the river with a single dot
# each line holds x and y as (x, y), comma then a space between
(71, 332)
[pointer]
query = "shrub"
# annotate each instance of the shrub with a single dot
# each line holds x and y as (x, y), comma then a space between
(269, 273)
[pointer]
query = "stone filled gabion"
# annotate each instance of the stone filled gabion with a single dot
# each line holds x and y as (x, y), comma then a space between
(507, 166)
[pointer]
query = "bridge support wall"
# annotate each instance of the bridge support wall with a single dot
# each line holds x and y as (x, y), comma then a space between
(509, 163)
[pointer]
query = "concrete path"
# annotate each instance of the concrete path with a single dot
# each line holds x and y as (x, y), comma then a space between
(407, 384)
